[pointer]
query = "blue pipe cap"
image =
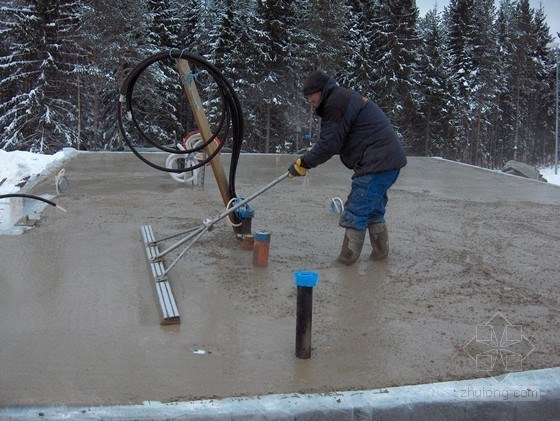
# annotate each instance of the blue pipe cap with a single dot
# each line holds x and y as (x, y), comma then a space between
(306, 279)
(262, 236)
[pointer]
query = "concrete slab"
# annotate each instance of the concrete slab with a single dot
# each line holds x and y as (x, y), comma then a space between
(79, 323)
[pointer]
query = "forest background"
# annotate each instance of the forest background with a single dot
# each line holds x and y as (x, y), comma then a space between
(473, 83)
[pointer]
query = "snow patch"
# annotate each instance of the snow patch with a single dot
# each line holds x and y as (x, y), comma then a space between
(17, 167)
(552, 178)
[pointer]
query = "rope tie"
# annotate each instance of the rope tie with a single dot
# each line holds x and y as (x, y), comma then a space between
(188, 78)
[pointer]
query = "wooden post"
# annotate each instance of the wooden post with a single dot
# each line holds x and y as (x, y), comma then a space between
(202, 122)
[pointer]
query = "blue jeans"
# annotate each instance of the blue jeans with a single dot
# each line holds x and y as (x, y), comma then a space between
(367, 200)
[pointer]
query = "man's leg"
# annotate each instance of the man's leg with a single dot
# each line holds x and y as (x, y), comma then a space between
(378, 233)
(355, 219)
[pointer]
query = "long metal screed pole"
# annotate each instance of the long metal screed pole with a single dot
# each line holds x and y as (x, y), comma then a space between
(207, 224)
(248, 199)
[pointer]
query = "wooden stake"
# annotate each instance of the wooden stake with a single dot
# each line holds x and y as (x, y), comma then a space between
(196, 105)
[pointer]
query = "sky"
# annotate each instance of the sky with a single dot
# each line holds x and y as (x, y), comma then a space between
(551, 10)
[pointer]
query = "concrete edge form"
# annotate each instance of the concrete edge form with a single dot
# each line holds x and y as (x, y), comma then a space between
(524, 395)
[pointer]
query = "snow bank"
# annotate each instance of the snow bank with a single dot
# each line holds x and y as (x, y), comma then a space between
(17, 167)
(552, 178)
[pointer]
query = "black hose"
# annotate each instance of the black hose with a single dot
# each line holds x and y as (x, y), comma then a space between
(231, 115)
(28, 196)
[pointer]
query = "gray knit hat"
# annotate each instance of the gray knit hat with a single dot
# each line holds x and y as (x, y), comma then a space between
(315, 82)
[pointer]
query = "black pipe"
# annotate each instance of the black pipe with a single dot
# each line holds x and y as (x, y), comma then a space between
(305, 281)
(304, 321)
(28, 196)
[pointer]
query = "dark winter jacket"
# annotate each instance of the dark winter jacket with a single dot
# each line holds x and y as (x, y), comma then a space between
(356, 129)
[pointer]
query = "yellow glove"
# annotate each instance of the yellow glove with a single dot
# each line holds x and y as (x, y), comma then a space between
(296, 169)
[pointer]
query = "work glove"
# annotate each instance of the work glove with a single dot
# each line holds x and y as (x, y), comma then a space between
(297, 169)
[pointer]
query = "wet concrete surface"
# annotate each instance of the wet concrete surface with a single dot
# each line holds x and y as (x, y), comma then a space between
(79, 323)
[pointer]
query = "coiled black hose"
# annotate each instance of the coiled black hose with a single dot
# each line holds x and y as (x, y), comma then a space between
(231, 115)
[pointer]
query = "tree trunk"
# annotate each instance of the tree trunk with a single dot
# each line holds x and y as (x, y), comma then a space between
(477, 141)
(517, 112)
(267, 139)
(79, 136)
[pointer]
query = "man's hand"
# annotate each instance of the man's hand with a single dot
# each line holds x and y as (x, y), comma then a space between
(296, 169)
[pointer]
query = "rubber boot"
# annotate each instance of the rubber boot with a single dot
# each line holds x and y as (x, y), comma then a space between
(379, 238)
(351, 246)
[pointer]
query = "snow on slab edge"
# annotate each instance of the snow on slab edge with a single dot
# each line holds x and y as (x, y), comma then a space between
(16, 166)
(547, 173)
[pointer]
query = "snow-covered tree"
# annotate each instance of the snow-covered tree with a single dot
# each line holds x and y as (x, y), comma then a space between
(277, 32)
(359, 33)
(114, 34)
(394, 54)
(542, 119)
(476, 85)
(437, 97)
(522, 75)
(196, 23)
(503, 120)
(482, 83)
(39, 63)
(164, 26)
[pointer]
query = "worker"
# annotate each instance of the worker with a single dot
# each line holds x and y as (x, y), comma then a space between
(359, 131)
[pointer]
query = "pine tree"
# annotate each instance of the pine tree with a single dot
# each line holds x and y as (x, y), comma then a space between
(41, 113)
(437, 98)
(321, 41)
(359, 37)
(483, 87)
(394, 58)
(195, 25)
(523, 74)
(164, 104)
(327, 45)
(114, 34)
(459, 18)
(503, 119)
(277, 27)
(542, 120)
(9, 81)
(164, 26)
(479, 88)
(234, 55)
